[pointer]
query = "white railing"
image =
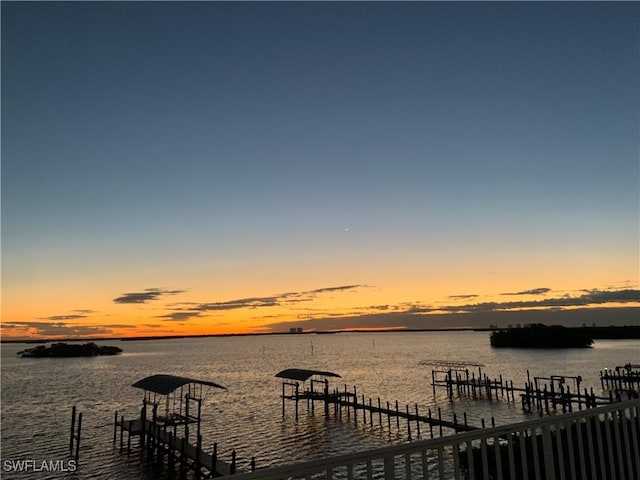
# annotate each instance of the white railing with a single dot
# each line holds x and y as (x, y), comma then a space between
(599, 443)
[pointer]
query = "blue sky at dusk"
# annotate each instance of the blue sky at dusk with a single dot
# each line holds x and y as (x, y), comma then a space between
(397, 155)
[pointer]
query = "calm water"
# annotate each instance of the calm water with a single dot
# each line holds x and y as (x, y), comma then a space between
(37, 394)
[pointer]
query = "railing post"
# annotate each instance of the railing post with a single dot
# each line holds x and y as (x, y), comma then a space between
(389, 468)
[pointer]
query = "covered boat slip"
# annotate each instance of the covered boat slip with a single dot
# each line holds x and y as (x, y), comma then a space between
(291, 383)
(171, 407)
(178, 404)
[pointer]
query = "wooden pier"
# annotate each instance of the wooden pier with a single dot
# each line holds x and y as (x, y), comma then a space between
(347, 404)
(625, 378)
(542, 394)
(159, 443)
(166, 438)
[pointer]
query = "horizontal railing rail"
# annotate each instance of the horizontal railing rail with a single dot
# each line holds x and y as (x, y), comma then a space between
(601, 443)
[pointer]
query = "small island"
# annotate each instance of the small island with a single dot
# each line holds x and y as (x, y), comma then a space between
(66, 350)
(541, 336)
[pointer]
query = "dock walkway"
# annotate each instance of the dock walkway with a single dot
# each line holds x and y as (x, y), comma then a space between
(177, 449)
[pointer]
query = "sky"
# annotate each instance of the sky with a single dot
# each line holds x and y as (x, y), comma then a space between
(218, 167)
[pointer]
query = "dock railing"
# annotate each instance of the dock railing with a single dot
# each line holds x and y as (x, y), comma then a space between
(602, 443)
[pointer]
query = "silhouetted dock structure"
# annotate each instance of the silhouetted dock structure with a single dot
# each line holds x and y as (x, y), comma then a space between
(174, 436)
(347, 404)
(622, 378)
(541, 394)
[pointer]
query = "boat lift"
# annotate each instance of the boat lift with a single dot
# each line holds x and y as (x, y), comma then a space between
(292, 378)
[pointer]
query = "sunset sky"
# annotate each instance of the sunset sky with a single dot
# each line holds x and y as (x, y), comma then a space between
(205, 167)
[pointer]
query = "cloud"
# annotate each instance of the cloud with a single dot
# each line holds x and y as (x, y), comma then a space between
(463, 297)
(533, 291)
(179, 316)
(415, 315)
(623, 296)
(577, 317)
(49, 329)
(271, 301)
(63, 317)
(145, 296)
(188, 310)
(333, 289)
(252, 302)
(592, 297)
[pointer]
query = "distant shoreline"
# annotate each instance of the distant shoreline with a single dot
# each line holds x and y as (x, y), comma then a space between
(630, 332)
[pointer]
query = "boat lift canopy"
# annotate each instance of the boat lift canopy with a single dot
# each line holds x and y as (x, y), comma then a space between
(166, 384)
(303, 375)
(177, 398)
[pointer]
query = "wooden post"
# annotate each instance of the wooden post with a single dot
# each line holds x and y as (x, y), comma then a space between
(253, 464)
(233, 462)
(171, 458)
(73, 428)
(370, 414)
(364, 411)
(183, 458)
(546, 399)
(214, 458)
(326, 397)
(283, 395)
(473, 385)
(578, 392)
(397, 416)
(389, 417)
(198, 449)
(466, 383)
(430, 424)
(433, 381)
(78, 437)
(440, 420)
(186, 414)
(121, 431)
(379, 413)
(417, 420)
(143, 418)
(408, 423)
(297, 399)
(115, 427)
(355, 405)
(199, 414)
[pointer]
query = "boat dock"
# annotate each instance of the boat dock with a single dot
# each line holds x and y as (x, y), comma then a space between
(166, 438)
(540, 393)
(159, 443)
(621, 378)
(167, 430)
(348, 404)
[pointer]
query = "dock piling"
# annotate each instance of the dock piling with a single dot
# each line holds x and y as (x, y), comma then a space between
(74, 437)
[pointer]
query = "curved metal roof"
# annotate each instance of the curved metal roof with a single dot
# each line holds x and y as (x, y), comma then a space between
(165, 384)
(303, 375)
